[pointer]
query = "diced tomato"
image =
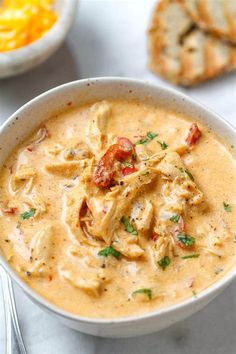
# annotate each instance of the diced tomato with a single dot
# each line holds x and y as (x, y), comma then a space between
(154, 237)
(193, 135)
(105, 171)
(125, 143)
(10, 210)
(128, 170)
(190, 282)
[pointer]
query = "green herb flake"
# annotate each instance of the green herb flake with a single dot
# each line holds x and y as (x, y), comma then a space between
(194, 255)
(227, 207)
(163, 144)
(28, 214)
(164, 262)
(128, 227)
(175, 218)
(145, 291)
(150, 136)
(188, 173)
(109, 251)
(186, 240)
(126, 164)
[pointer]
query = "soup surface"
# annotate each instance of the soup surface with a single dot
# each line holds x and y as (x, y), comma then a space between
(118, 208)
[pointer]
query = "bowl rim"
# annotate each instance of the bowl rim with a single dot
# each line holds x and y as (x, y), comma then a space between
(213, 289)
(54, 35)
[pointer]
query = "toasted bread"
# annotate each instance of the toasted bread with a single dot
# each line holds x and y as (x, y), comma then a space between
(181, 52)
(216, 16)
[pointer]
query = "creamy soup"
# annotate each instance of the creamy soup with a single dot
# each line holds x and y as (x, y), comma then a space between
(118, 208)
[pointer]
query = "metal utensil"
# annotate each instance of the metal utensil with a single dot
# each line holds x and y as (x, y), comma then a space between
(15, 343)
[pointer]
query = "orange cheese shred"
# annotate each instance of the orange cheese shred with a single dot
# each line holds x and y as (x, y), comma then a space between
(24, 21)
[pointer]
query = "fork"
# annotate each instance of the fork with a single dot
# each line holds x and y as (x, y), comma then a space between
(14, 343)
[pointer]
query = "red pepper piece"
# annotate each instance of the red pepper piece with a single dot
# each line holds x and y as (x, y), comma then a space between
(10, 211)
(105, 171)
(193, 135)
(128, 170)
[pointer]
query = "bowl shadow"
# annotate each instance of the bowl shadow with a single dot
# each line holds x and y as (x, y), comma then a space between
(57, 70)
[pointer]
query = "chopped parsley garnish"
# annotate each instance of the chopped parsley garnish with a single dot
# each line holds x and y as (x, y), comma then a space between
(28, 214)
(145, 291)
(194, 255)
(227, 207)
(128, 227)
(164, 262)
(188, 173)
(150, 136)
(126, 164)
(186, 240)
(109, 251)
(175, 218)
(163, 145)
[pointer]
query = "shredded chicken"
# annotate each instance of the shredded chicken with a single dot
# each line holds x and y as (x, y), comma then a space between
(127, 245)
(36, 255)
(117, 202)
(164, 246)
(68, 169)
(142, 214)
(35, 200)
(41, 248)
(23, 175)
(77, 153)
(82, 269)
(96, 131)
(90, 283)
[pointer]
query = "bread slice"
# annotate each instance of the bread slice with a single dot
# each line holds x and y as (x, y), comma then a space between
(181, 52)
(215, 16)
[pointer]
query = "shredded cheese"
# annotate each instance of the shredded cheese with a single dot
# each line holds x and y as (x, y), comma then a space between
(24, 21)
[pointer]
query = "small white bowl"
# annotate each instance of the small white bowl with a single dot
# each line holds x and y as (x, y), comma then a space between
(17, 61)
(32, 114)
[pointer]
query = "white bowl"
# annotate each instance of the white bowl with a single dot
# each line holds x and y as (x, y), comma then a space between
(27, 118)
(25, 58)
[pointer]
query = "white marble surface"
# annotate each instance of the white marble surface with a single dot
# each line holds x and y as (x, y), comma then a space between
(109, 39)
